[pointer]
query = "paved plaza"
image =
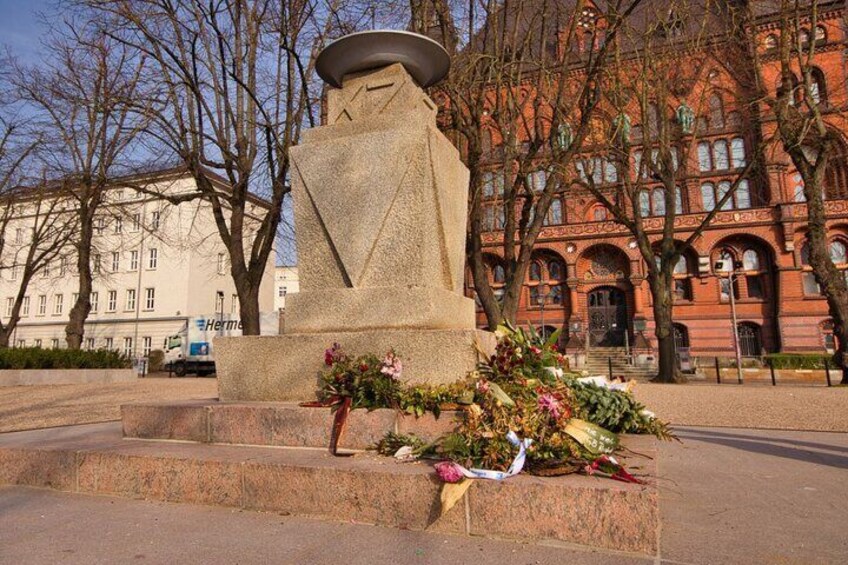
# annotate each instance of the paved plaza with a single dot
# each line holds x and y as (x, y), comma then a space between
(727, 494)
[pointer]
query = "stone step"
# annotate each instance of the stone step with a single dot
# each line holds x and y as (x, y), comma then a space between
(363, 488)
(281, 424)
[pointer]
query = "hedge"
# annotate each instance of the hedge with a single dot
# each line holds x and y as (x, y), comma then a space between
(38, 358)
(797, 360)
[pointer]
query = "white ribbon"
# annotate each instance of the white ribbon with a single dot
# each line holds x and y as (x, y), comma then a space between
(515, 467)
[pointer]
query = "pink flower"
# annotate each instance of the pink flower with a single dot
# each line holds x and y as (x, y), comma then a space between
(535, 350)
(550, 404)
(449, 471)
(483, 386)
(333, 354)
(392, 367)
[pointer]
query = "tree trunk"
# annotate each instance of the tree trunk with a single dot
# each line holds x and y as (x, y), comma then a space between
(249, 310)
(664, 330)
(5, 336)
(75, 329)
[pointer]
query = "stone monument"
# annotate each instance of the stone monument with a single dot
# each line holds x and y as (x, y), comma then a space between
(380, 201)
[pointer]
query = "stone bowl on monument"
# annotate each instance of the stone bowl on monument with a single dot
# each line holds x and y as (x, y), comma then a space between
(380, 200)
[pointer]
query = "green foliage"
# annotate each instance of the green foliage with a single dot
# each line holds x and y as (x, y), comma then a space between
(521, 388)
(796, 360)
(38, 358)
(155, 360)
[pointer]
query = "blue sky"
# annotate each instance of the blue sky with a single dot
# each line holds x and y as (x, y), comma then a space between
(20, 28)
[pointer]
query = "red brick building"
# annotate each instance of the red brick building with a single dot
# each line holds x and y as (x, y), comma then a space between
(595, 276)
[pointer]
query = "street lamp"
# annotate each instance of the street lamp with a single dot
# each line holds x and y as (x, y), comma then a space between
(732, 275)
(541, 299)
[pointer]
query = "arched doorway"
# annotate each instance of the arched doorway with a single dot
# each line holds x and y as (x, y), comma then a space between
(750, 342)
(607, 316)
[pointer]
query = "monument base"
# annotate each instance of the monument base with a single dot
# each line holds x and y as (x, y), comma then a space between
(289, 367)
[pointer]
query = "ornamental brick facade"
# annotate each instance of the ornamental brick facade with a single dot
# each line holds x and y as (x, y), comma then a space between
(595, 275)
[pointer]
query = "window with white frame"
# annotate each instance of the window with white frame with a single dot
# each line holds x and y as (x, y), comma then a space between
(19, 235)
(89, 343)
(119, 224)
(116, 261)
(133, 260)
(14, 274)
(10, 303)
(222, 263)
(21, 343)
(109, 343)
(234, 304)
(93, 298)
(58, 304)
(45, 270)
(153, 258)
(219, 302)
(149, 298)
(42, 304)
(128, 346)
(54, 343)
(74, 298)
(38, 343)
(25, 306)
(130, 303)
(146, 345)
(112, 301)
(99, 225)
(96, 263)
(63, 266)
(154, 220)
(136, 222)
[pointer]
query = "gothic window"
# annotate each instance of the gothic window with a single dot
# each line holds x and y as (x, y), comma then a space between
(682, 281)
(705, 157)
(599, 213)
(821, 35)
(798, 190)
(750, 260)
(818, 88)
(716, 111)
(838, 253)
(737, 153)
(708, 196)
(555, 270)
(681, 336)
(535, 271)
(721, 156)
(653, 119)
(750, 339)
(711, 196)
(537, 180)
(498, 274)
(554, 215)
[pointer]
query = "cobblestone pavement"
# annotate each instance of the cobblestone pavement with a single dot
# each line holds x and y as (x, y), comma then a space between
(44, 406)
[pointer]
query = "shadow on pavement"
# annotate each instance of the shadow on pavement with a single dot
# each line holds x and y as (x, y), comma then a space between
(771, 446)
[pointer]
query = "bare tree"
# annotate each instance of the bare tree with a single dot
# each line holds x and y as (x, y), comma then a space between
(522, 93)
(234, 87)
(44, 223)
(658, 112)
(80, 96)
(807, 130)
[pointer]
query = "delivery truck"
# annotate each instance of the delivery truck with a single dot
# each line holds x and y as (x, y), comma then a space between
(192, 349)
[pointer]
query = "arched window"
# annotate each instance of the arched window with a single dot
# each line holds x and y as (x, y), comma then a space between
(728, 259)
(716, 111)
(682, 282)
(737, 153)
(818, 86)
(537, 180)
(498, 274)
(722, 162)
(682, 266)
(726, 256)
(554, 215)
(723, 188)
(705, 157)
(535, 271)
(821, 35)
(681, 336)
(555, 270)
(708, 200)
(838, 253)
(750, 260)
(658, 201)
(743, 195)
(804, 37)
(653, 119)
(750, 340)
(798, 188)
(598, 213)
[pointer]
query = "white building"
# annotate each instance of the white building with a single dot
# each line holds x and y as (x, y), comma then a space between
(155, 265)
(285, 282)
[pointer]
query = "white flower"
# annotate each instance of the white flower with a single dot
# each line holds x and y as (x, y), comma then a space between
(647, 414)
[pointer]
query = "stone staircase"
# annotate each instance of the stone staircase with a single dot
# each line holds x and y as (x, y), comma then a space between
(273, 457)
(597, 363)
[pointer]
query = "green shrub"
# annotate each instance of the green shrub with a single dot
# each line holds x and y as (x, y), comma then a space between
(797, 360)
(38, 358)
(155, 360)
